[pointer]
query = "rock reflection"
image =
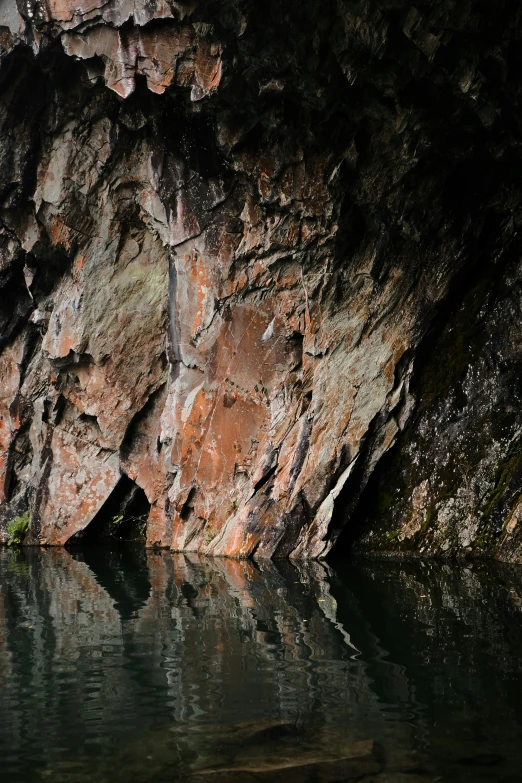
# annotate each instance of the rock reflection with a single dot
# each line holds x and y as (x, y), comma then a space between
(258, 641)
(133, 666)
(122, 572)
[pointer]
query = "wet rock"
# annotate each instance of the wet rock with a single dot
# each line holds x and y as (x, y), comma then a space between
(233, 241)
(321, 771)
(452, 486)
(255, 750)
(400, 777)
(274, 748)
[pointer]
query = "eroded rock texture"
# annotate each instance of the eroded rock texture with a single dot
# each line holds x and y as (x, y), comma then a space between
(247, 251)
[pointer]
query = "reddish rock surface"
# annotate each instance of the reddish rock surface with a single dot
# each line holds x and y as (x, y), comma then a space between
(225, 233)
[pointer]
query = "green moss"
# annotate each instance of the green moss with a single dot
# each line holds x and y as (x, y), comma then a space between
(512, 508)
(482, 539)
(209, 534)
(504, 475)
(440, 368)
(17, 529)
(384, 502)
(431, 517)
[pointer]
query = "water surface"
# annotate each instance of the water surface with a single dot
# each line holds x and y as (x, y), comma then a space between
(136, 667)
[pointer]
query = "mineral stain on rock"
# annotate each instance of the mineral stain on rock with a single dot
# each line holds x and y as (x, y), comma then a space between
(262, 263)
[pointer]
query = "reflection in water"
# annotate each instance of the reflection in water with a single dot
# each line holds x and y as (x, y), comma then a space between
(135, 667)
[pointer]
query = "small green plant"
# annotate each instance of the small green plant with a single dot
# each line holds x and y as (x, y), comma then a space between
(17, 528)
(138, 527)
(209, 534)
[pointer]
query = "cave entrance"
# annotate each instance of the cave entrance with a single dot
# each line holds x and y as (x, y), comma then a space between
(122, 519)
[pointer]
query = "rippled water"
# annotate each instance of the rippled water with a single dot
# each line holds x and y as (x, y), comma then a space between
(128, 666)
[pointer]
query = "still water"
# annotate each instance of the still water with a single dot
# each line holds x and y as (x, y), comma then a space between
(132, 667)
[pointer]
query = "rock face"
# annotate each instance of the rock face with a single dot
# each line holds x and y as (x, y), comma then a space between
(256, 258)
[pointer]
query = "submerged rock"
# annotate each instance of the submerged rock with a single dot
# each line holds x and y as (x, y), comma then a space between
(258, 749)
(246, 252)
(240, 752)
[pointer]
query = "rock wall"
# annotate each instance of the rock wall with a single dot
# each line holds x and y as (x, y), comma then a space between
(247, 251)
